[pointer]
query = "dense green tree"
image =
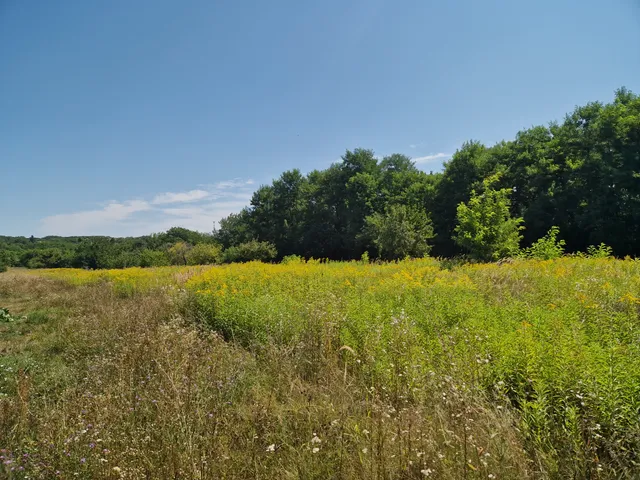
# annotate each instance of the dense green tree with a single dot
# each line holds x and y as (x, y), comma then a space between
(461, 174)
(250, 251)
(399, 232)
(278, 212)
(235, 229)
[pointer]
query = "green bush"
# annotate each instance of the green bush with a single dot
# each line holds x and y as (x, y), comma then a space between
(249, 251)
(292, 259)
(485, 226)
(204, 254)
(153, 258)
(178, 253)
(399, 232)
(547, 247)
(599, 251)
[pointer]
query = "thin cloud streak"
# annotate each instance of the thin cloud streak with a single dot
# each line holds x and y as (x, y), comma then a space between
(182, 197)
(139, 217)
(431, 158)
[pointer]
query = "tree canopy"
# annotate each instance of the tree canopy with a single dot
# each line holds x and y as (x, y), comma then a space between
(579, 177)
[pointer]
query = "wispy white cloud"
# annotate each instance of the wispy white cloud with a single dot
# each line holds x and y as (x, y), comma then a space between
(93, 222)
(228, 184)
(181, 197)
(431, 158)
(202, 207)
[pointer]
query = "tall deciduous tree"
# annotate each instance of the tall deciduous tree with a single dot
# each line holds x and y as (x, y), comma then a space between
(400, 232)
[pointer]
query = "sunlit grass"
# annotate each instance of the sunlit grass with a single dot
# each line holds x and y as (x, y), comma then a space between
(529, 369)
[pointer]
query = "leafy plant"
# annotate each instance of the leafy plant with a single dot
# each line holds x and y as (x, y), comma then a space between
(485, 226)
(399, 232)
(6, 317)
(547, 247)
(204, 254)
(599, 251)
(292, 259)
(249, 251)
(178, 253)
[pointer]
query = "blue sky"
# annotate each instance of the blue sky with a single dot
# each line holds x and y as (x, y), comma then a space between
(128, 117)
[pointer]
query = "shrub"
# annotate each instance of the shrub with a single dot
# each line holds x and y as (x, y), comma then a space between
(485, 226)
(547, 247)
(248, 251)
(178, 253)
(204, 254)
(599, 251)
(399, 232)
(292, 259)
(153, 258)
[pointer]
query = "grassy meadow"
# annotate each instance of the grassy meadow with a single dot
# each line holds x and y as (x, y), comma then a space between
(523, 370)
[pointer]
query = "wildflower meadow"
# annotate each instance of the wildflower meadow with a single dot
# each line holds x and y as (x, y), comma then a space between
(309, 369)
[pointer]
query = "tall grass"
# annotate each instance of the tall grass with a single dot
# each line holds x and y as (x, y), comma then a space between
(326, 370)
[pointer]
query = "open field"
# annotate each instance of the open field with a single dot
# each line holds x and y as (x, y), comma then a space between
(529, 369)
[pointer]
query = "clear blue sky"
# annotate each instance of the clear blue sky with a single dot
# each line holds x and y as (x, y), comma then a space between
(127, 117)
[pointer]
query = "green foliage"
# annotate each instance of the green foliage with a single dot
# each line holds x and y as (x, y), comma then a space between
(485, 226)
(153, 258)
(39, 317)
(249, 251)
(292, 259)
(178, 253)
(204, 254)
(599, 251)
(6, 317)
(579, 175)
(96, 252)
(547, 247)
(5, 260)
(180, 234)
(535, 362)
(399, 232)
(235, 229)
(554, 342)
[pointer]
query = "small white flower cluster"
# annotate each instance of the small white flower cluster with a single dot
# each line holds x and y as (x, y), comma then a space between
(315, 440)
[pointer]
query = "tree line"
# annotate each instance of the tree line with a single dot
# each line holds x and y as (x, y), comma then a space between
(177, 246)
(581, 176)
(576, 182)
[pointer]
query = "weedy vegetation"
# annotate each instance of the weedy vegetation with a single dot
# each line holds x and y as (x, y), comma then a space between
(307, 369)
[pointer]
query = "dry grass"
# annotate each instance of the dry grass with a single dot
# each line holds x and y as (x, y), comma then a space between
(113, 387)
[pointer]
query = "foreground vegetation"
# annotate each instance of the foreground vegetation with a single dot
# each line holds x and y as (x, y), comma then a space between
(528, 369)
